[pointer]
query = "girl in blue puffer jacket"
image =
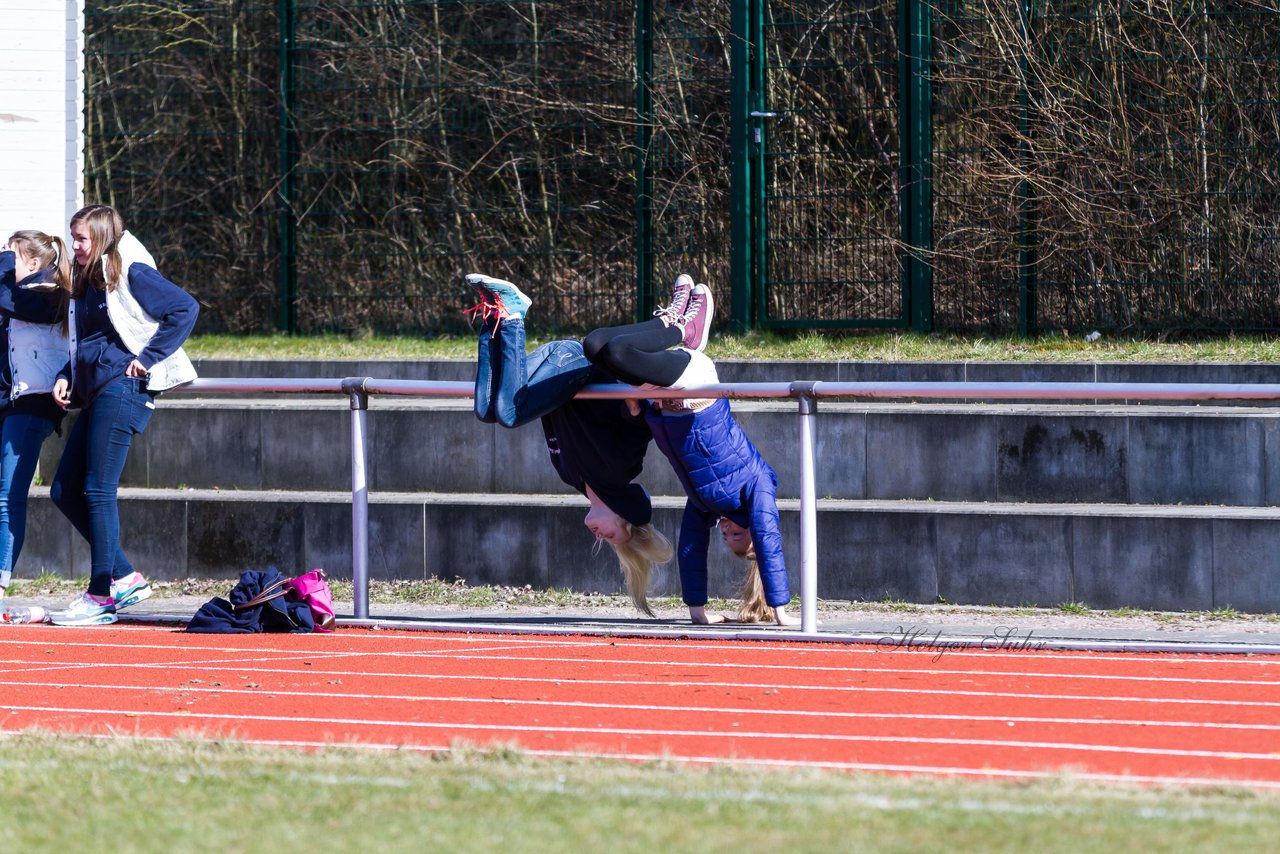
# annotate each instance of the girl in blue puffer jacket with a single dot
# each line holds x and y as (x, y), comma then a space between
(726, 480)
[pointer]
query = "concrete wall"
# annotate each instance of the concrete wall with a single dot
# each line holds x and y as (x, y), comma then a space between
(1172, 558)
(1169, 507)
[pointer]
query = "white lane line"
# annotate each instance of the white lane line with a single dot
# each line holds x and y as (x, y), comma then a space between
(780, 687)
(190, 715)
(750, 647)
(44, 665)
(520, 642)
(844, 671)
(932, 770)
(653, 707)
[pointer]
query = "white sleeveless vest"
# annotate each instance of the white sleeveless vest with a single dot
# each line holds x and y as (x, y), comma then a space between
(135, 327)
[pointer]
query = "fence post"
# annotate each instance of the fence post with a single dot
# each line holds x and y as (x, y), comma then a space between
(915, 106)
(740, 189)
(804, 391)
(355, 387)
(757, 143)
(1028, 225)
(287, 223)
(644, 176)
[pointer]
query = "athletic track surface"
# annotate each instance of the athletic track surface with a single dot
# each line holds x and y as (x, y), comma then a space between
(1164, 718)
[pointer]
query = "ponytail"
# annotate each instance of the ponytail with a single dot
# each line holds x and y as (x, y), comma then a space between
(50, 253)
(62, 275)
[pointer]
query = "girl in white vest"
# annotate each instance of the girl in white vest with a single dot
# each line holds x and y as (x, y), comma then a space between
(35, 277)
(127, 324)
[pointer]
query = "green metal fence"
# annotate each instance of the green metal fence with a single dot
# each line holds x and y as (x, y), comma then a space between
(683, 149)
(1106, 164)
(825, 133)
(181, 135)
(968, 164)
(435, 139)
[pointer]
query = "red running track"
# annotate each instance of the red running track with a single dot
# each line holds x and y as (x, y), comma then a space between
(986, 713)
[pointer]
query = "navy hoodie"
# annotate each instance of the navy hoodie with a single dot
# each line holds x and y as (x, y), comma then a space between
(597, 442)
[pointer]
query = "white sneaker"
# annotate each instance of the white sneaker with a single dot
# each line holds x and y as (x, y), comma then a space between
(84, 611)
(130, 590)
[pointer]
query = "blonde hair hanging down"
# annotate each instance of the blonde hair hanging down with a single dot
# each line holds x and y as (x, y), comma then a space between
(637, 557)
(754, 608)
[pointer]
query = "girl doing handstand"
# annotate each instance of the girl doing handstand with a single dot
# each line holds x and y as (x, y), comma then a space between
(725, 478)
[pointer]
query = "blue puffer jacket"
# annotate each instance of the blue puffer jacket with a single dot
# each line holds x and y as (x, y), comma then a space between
(724, 475)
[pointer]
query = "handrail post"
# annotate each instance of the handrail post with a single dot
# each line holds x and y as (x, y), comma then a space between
(355, 387)
(805, 393)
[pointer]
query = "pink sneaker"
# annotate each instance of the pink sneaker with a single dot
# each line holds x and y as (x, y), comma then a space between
(696, 322)
(679, 304)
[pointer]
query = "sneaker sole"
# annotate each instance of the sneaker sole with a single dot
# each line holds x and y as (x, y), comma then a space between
(133, 597)
(99, 620)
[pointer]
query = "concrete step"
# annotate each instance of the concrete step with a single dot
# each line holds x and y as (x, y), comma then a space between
(1107, 556)
(946, 452)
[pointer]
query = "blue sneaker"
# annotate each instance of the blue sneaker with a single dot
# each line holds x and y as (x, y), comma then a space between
(130, 590)
(510, 301)
(86, 611)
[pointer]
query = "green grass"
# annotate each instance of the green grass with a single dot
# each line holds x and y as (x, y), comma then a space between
(879, 346)
(1126, 611)
(73, 794)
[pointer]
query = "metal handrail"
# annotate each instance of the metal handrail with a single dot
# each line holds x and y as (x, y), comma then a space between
(806, 393)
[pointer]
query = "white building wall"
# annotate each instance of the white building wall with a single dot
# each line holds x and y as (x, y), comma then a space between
(41, 114)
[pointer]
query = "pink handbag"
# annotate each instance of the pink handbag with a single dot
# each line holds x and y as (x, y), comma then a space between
(310, 587)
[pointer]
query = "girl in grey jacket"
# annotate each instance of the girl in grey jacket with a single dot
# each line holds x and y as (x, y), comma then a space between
(35, 276)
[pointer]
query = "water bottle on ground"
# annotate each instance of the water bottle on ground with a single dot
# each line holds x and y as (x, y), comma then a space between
(34, 614)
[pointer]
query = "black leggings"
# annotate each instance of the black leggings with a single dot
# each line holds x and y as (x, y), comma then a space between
(638, 353)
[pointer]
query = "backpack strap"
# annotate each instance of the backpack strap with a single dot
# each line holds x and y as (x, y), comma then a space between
(274, 591)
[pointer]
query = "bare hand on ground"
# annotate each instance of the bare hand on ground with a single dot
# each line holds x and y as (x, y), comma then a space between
(783, 618)
(698, 614)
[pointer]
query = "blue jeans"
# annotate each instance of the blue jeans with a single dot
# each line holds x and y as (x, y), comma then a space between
(88, 475)
(514, 389)
(20, 441)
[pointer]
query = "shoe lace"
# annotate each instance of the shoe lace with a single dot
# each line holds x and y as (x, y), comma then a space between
(670, 316)
(488, 309)
(81, 603)
(692, 312)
